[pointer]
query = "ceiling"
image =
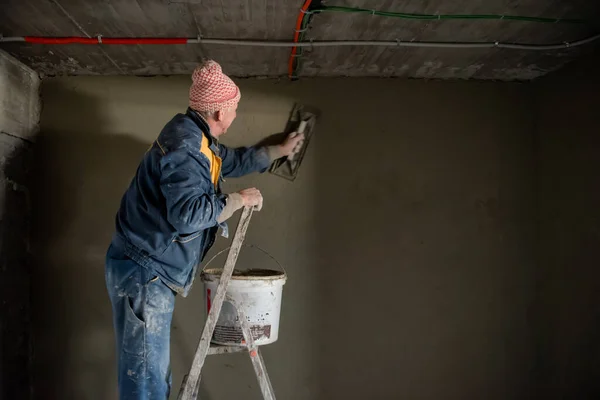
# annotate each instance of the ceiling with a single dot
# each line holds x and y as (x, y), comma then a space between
(275, 20)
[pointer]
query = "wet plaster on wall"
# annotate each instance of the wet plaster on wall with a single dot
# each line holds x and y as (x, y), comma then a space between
(407, 237)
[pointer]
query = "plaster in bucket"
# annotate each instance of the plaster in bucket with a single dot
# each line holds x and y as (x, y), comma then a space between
(258, 291)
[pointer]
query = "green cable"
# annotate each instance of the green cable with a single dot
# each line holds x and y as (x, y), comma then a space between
(321, 9)
(446, 16)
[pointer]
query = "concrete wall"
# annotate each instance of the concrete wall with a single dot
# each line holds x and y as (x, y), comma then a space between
(19, 117)
(407, 238)
(20, 101)
(568, 245)
(260, 19)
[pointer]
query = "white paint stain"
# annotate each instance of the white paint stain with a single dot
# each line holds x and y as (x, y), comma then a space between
(526, 72)
(428, 69)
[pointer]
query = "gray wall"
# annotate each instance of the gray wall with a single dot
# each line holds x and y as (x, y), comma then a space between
(407, 238)
(568, 245)
(19, 117)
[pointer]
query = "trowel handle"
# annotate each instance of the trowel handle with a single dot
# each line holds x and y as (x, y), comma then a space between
(301, 127)
(300, 130)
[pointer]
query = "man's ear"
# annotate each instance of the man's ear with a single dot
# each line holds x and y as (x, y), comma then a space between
(219, 115)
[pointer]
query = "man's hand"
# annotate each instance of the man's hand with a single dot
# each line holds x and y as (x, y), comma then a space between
(292, 144)
(252, 198)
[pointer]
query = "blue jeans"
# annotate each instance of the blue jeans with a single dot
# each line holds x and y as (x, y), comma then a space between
(142, 311)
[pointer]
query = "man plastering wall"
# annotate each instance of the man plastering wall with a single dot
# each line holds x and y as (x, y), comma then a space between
(167, 222)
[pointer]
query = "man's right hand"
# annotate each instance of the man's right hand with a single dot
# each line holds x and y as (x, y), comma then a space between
(252, 198)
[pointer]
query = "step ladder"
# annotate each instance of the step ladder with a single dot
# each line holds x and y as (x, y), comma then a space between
(191, 381)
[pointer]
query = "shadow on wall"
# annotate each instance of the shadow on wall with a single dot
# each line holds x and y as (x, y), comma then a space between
(79, 181)
(80, 178)
(15, 267)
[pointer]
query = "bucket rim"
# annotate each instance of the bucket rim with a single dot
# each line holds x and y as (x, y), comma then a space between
(210, 274)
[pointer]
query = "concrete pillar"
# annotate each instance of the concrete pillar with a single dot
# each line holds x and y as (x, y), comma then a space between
(19, 117)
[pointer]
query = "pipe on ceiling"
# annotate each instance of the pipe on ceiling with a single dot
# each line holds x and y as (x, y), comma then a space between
(267, 43)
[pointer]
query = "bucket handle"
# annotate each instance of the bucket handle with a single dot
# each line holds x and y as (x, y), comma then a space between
(246, 245)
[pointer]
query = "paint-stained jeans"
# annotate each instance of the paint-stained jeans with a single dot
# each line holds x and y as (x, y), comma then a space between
(142, 312)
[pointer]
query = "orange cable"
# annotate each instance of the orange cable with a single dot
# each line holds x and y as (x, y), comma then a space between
(301, 15)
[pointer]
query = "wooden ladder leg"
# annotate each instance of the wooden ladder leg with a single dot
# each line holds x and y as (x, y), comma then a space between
(196, 389)
(192, 381)
(263, 376)
(255, 355)
(195, 393)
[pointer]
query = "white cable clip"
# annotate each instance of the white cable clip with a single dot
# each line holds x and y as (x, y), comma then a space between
(301, 30)
(439, 17)
(99, 36)
(372, 13)
(305, 12)
(501, 17)
(398, 41)
(567, 45)
(496, 44)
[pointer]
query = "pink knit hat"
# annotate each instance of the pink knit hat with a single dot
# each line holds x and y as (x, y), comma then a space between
(211, 89)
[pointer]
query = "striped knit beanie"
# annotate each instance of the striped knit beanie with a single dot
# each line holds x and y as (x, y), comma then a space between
(211, 89)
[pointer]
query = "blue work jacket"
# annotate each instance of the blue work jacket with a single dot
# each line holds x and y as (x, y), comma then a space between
(167, 220)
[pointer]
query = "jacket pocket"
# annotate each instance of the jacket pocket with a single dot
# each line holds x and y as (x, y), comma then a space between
(179, 239)
(184, 250)
(134, 331)
(187, 238)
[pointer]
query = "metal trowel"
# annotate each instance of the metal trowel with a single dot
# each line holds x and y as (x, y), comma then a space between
(301, 121)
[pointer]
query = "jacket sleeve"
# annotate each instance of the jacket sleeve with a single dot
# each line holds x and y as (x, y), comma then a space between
(186, 184)
(243, 160)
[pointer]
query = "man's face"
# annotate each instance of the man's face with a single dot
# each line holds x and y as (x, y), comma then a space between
(225, 119)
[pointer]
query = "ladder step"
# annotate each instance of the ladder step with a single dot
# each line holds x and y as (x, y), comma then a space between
(220, 349)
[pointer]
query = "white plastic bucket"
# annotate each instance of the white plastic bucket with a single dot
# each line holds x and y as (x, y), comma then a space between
(259, 292)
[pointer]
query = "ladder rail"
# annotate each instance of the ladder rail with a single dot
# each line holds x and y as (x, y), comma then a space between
(255, 355)
(192, 380)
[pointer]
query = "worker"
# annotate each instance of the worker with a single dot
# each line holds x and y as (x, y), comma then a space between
(168, 220)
